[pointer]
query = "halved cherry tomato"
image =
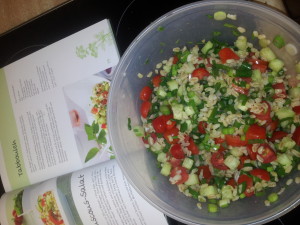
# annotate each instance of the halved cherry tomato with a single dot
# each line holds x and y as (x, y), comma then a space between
(258, 64)
(55, 220)
(256, 132)
(227, 53)
(219, 140)
(205, 172)
(159, 124)
(145, 93)
(265, 114)
(169, 122)
(94, 110)
(193, 147)
(171, 135)
(202, 126)
(177, 151)
(231, 182)
(277, 135)
(200, 73)
(271, 125)
(249, 184)
(279, 87)
(268, 155)
(243, 158)
(156, 80)
(251, 153)
(296, 136)
(217, 160)
(260, 173)
(296, 109)
(179, 170)
(234, 140)
(145, 108)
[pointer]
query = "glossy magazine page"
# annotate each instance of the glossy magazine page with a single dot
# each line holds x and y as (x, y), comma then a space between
(96, 195)
(52, 108)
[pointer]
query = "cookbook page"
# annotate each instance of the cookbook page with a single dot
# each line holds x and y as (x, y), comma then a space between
(52, 103)
(102, 195)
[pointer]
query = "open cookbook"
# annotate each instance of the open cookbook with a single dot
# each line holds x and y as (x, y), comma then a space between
(56, 162)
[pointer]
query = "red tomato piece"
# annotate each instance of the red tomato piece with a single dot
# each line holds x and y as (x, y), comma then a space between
(265, 114)
(277, 135)
(145, 108)
(145, 93)
(272, 125)
(175, 59)
(260, 173)
(177, 151)
(280, 88)
(193, 147)
(241, 90)
(243, 158)
(156, 80)
(219, 140)
(200, 73)
(183, 175)
(169, 122)
(202, 126)
(204, 172)
(256, 132)
(94, 110)
(175, 162)
(227, 53)
(296, 136)
(249, 184)
(267, 155)
(234, 140)
(258, 64)
(296, 109)
(171, 135)
(231, 182)
(251, 153)
(159, 124)
(217, 160)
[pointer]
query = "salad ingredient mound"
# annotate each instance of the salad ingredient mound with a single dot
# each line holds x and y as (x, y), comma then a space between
(48, 208)
(222, 121)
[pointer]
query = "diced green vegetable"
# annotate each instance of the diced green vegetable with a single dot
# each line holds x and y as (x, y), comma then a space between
(192, 180)
(267, 54)
(256, 75)
(208, 45)
(241, 43)
(297, 67)
(188, 163)
(294, 92)
(172, 85)
(162, 157)
(232, 162)
(263, 42)
(283, 159)
(161, 92)
(227, 192)
(212, 208)
(139, 131)
(223, 203)
(278, 41)
(220, 15)
(284, 113)
(166, 169)
(209, 191)
(273, 197)
(165, 110)
(276, 64)
(286, 143)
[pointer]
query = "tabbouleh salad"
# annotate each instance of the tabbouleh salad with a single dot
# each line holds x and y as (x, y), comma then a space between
(223, 121)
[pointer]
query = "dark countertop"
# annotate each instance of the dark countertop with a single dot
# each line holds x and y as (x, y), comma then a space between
(128, 18)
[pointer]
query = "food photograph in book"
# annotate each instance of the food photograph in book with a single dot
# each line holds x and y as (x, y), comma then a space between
(87, 105)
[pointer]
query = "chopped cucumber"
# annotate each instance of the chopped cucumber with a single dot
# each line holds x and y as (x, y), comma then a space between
(267, 54)
(161, 92)
(208, 45)
(294, 92)
(139, 131)
(162, 157)
(273, 197)
(232, 162)
(241, 43)
(286, 143)
(220, 15)
(223, 203)
(212, 208)
(209, 191)
(276, 64)
(156, 147)
(283, 159)
(264, 42)
(189, 110)
(172, 85)
(165, 110)
(166, 169)
(188, 163)
(256, 76)
(192, 180)
(284, 113)
(278, 41)
(178, 112)
(227, 192)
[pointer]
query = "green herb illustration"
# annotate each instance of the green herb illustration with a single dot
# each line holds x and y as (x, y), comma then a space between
(102, 40)
(93, 133)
